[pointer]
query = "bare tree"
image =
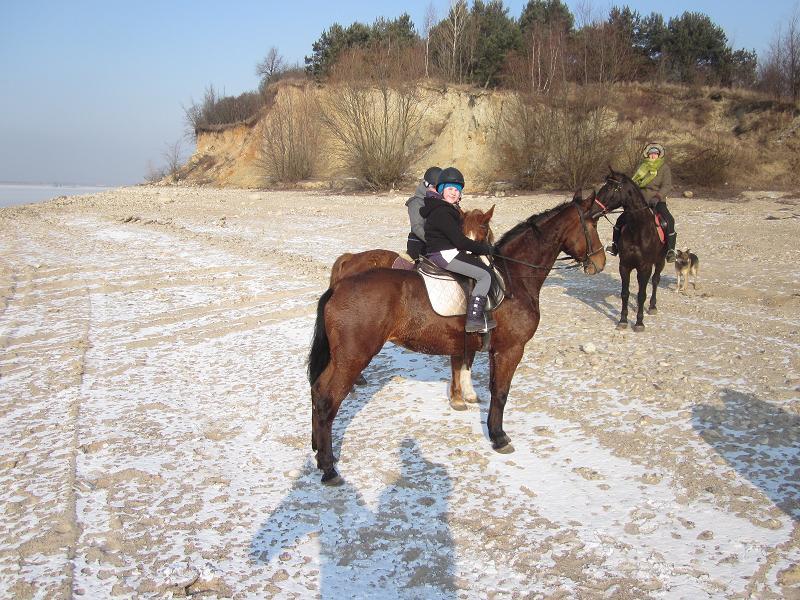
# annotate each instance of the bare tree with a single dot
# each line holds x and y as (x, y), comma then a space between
(430, 21)
(450, 43)
(375, 129)
(173, 157)
(291, 138)
(272, 66)
(538, 68)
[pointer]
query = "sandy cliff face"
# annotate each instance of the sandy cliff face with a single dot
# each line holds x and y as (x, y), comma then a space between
(459, 125)
(456, 130)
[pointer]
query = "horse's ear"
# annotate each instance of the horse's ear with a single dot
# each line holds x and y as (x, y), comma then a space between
(487, 216)
(577, 196)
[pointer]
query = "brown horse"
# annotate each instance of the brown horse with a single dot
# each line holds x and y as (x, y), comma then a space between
(360, 314)
(475, 226)
(639, 246)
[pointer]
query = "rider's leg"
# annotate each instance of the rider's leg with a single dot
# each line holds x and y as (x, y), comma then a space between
(613, 249)
(415, 246)
(471, 266)
(662, 209)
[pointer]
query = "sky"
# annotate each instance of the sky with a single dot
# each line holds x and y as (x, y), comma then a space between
(94, 92)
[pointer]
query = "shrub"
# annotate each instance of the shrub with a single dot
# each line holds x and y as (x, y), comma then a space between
(375, 129)
(709, 162)
(558, 141)
(523, 143)
(291, 137)
(217, 111)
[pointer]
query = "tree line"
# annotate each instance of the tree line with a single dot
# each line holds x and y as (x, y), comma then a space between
(543, 49)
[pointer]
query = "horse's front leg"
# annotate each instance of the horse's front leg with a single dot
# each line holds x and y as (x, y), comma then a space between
(643, 277)
(457, 367)
(625, 275)
(502, 366)
(654, 282)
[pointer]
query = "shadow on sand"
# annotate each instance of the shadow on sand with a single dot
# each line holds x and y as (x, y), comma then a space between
(759, 440)
(402, 549)
(592, 291)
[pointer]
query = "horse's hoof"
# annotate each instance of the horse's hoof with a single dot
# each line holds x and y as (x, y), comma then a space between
(638, 327)
(361, 380)
(332, 478)
(652, 310)
(506, 448)
(622, 325)
(458, 404)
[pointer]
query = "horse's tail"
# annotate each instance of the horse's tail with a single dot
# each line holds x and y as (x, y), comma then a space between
(320, 354)
(336, 270)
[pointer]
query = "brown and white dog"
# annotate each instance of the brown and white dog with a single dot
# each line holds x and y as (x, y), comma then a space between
(686, 264)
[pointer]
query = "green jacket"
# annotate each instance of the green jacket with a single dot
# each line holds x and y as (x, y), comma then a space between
(660, 187)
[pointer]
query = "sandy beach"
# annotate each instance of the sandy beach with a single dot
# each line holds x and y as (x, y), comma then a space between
(156, 414)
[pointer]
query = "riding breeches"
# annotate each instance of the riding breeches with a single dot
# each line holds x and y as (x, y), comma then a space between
(469, 265)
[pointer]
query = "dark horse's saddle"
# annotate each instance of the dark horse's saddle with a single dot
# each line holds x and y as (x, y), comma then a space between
(448, 292)
(661, 226)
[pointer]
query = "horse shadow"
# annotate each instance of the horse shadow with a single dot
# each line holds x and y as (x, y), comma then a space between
(402, 549)
(757, 439)
(592, 291)
(390, 362)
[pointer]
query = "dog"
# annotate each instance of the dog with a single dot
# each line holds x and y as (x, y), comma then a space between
(686, 264)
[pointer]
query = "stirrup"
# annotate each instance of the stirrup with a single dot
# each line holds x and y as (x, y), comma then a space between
(612, 249)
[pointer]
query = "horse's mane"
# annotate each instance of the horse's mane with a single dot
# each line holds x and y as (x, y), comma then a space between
(623, 178)
(531, 222)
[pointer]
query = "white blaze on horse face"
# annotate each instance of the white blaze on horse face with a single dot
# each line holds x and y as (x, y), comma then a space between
(467, 391)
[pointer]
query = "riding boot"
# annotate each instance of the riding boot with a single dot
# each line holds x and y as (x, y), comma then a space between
(613, 248)
(671, 239)
(476, 320)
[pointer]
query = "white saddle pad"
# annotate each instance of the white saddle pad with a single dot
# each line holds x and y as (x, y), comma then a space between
(446, 294)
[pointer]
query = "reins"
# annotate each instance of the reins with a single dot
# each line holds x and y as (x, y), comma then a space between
(582, 262)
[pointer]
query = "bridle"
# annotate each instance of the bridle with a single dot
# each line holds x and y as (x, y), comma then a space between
(585, 261)
(616, 190)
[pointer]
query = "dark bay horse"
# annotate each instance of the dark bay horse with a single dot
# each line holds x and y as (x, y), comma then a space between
(476, 226)
(639, 246)
(361, 313)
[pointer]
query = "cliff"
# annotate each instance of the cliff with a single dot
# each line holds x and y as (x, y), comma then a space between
(716, 138)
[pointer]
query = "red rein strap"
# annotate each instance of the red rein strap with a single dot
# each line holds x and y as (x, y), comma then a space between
(600, 204)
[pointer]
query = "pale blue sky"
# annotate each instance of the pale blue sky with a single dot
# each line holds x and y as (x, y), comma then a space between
(93, 90)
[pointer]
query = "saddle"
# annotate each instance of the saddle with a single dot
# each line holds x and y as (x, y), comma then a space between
(448, 292)
(661, 226)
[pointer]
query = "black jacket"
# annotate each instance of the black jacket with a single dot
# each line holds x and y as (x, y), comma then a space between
(443, 228)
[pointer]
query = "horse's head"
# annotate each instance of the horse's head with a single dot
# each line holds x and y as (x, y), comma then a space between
(619, 190)
(582, 241)
(476, 225)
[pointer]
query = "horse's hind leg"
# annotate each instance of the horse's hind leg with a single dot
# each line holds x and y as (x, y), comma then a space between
(643, 277)
(625, 275)
(456, 391)
(327, 394)
(461, 390)
(466, 380)
(654, 281)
